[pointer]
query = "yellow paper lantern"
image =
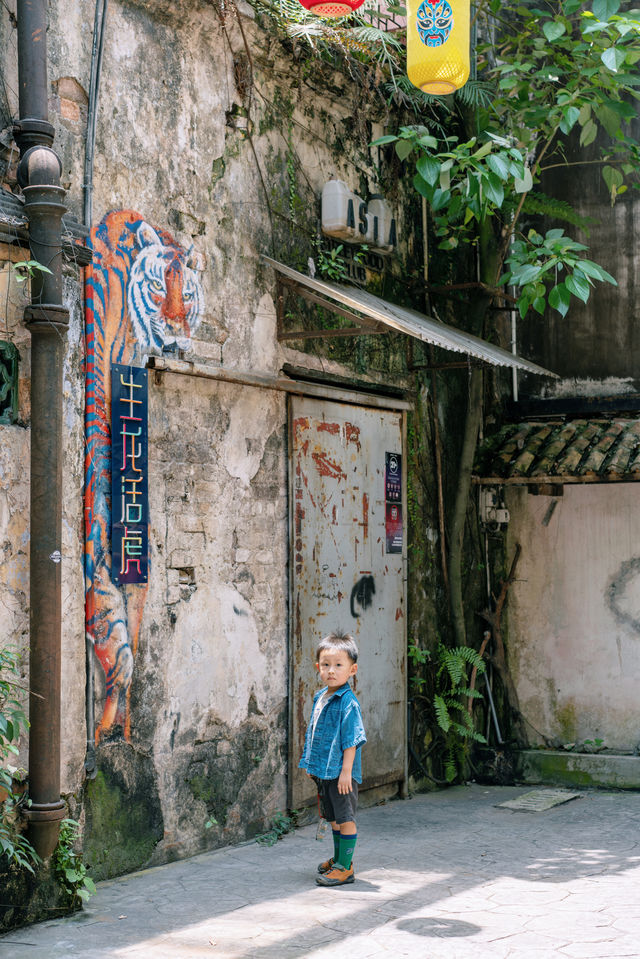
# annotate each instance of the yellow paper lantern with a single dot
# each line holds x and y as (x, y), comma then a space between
(438, 44)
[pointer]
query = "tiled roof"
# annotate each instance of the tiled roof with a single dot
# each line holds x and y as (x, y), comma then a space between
(568, 451)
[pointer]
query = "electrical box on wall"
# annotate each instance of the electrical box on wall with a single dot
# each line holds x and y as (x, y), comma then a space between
(493, 513)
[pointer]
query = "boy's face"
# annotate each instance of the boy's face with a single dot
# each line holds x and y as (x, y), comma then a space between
(335, 668)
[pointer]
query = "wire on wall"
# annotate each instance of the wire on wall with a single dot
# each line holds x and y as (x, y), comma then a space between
(99, 28)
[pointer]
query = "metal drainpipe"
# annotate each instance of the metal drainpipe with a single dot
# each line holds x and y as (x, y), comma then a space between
(47, 320)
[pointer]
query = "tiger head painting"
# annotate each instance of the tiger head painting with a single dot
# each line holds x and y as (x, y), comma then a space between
(143, 296)
(164, 296)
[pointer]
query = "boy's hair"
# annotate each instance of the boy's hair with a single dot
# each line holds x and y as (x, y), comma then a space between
(339, 640)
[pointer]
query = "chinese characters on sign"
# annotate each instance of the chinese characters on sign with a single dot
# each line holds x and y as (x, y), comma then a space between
(393, 502)
(129, 477)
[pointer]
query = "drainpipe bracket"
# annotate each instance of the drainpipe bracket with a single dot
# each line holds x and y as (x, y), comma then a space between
(47, 314)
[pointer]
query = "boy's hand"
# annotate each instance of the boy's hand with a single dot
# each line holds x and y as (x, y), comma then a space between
(344, 783)
(344, 779)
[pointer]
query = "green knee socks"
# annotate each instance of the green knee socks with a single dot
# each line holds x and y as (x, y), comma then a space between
(346, 846)
(336, 845)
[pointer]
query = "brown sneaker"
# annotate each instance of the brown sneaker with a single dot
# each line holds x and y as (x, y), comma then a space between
(337, 876)
(326, 866)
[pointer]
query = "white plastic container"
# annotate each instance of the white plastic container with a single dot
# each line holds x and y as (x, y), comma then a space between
(335, 211)
(385, 227)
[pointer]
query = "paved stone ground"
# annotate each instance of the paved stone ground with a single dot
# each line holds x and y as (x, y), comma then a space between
(441, 876)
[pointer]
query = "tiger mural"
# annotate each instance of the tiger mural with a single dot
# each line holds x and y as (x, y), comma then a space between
(142, 296)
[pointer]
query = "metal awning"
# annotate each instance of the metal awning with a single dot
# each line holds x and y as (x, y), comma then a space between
(374, 315)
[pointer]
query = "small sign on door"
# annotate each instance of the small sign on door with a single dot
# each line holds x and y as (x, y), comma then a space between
(393, 502)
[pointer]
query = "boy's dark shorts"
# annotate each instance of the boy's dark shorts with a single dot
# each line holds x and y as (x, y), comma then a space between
(335, 807)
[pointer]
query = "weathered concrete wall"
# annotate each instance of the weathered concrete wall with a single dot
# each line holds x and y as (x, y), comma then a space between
(217, 611)
(574, 613)
(227, 147)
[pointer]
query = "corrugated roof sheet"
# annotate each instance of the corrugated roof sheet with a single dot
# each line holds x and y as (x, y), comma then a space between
(410, 322)
(574, 451)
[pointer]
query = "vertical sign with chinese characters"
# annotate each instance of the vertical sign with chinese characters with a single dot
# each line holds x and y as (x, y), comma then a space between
(393, 502)
(129, 476)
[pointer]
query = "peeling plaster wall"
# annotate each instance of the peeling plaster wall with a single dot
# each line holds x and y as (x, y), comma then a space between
(184, 140)
(574, 613)
(14, 469)
(214, 642)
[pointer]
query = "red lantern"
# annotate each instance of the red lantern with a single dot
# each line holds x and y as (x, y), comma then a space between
(331, 8)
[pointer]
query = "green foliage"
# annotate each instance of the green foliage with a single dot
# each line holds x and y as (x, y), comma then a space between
(585, 746)
(450, 705)
(280, 825)
(68, 866)
(369, 43)
(27, 269)
(538, 204)
(464, 183)
(331, 263)
(442, 679)
(13, 845)
(531, 261)
(554, 68)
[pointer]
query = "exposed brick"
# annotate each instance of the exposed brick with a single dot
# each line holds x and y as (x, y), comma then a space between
(70, 110)
(70, 89)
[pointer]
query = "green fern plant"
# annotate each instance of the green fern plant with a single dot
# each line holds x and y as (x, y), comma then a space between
(440, 683)
(69, 869)
(538, 204)
(450, 705)
(281, 824)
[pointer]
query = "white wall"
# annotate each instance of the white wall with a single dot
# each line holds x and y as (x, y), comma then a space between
(574, 612)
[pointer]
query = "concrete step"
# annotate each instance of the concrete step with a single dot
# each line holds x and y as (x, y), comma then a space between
(562, 768)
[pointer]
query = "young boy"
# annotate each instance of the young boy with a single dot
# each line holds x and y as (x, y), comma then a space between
(331, 754)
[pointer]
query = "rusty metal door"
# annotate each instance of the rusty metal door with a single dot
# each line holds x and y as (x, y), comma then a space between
(348, 572)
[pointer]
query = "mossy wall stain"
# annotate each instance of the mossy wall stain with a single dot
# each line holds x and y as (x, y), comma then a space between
(218, 771)
(123, 814)
(28, 898)
(566, 719)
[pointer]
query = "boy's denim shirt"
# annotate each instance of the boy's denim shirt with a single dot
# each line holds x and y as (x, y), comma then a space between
(339, 727)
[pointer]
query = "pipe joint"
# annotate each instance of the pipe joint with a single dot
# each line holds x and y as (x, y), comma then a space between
(39, 166)
(30, 132)
(44, 825)
(47, 315)
(46, 811)
(44, 200)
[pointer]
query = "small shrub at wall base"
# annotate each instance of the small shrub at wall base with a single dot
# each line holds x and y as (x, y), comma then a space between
(281, 824)
(441, 681)
(13, 722)
(68, 866)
